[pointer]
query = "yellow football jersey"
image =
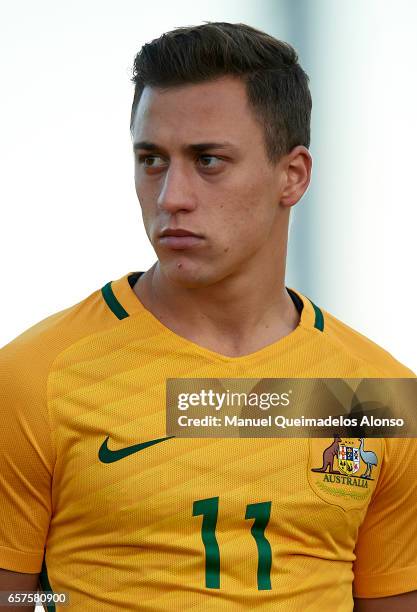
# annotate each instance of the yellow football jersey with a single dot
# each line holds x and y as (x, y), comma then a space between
(120, 516)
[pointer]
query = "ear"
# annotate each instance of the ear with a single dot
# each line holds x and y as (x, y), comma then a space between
(297, 169)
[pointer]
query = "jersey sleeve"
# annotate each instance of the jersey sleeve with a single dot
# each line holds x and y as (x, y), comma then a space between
(26, 458)
(386, 549)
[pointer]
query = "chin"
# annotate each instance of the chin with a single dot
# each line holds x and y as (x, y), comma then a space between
(185, 273)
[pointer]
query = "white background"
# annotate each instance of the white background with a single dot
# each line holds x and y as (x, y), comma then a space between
(69, 217)
(70, 220)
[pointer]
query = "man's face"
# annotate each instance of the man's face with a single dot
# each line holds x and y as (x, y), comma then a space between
(201, 166)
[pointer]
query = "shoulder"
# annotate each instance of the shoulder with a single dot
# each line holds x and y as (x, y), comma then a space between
(354, 344)
(29, 355)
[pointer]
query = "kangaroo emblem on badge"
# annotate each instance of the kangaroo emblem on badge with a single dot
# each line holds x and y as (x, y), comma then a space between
(329, 455)
(342, 471)
(348, 458)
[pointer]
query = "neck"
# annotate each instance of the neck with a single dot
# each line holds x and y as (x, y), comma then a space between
(236, 316)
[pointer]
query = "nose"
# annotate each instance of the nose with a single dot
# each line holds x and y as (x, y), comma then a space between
(176, 191)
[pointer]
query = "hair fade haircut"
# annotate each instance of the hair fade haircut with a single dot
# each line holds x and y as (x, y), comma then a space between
(276, 85)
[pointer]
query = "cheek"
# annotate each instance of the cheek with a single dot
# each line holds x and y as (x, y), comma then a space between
(144, 197)
(240, 224)
(136, 178)
(255, 195)
(143, 186)
(249, 210)
(147, 211)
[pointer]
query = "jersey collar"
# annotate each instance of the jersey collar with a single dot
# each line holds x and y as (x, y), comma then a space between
(123, 301)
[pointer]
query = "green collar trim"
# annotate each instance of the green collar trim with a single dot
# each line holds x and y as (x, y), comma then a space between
(112, 302)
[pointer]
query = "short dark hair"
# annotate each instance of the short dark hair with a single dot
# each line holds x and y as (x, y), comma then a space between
(276, 85)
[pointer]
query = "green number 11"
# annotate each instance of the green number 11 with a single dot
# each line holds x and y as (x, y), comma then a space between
(260, 512)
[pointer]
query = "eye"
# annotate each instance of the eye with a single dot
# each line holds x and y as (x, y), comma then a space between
(156, 162)
(210, 161)
(151, 161)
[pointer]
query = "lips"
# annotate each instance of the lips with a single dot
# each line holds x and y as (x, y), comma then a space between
(178, 239)
(177, 232)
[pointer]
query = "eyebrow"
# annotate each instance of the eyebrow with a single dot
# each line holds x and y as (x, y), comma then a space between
(194, 148)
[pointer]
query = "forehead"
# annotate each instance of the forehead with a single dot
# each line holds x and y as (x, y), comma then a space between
(215, 109)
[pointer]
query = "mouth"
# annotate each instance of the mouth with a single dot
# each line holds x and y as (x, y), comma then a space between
(180, 242)
(179, 239)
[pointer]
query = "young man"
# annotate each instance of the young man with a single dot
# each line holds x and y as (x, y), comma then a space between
(96, 497)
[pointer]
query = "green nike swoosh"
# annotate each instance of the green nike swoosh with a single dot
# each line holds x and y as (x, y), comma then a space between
(109, 456)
